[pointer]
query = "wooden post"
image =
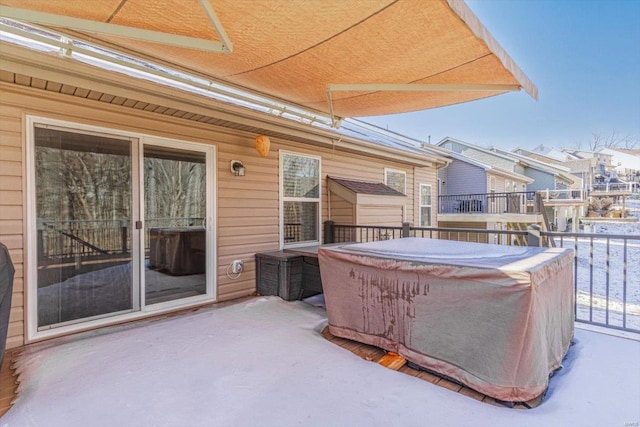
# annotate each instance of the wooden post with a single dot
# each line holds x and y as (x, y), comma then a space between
(533, 239)
(329, 232)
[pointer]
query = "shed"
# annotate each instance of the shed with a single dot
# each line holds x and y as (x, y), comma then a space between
(365, 202)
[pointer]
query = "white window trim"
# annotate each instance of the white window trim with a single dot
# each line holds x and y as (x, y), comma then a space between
(420, 205)
(282, 198)
(31, 256)
(386, 170)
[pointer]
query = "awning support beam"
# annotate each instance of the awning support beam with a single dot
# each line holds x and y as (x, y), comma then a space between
(416, 87)
(90, 26)
(410, 87)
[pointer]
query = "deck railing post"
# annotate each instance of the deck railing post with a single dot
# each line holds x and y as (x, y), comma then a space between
(329, 231)
(533, 238)
(406, 229)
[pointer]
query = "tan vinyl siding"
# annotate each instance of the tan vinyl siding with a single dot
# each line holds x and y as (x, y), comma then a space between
(342, 212)
(247, 208)
(425, 176)
(11, 213)
(380, 215)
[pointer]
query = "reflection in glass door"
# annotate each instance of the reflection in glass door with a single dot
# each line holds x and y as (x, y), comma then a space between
(83, 207)
(175, 210)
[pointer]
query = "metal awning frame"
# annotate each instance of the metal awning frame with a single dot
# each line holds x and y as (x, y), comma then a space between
(73, 49)
(224, 46)
(410, 87)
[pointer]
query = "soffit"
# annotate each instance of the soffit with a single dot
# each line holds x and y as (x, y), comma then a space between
(296, 50)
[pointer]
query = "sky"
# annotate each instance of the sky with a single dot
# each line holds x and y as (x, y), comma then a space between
(584, 58)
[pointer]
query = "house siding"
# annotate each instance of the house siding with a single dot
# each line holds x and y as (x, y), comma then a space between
(11, 212)
(463, 178)
(342, 211)
(425, 176)
(247, 207)
(380, 215)
(542, 180)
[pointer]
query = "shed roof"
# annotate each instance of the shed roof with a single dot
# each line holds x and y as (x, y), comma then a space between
(366, 187)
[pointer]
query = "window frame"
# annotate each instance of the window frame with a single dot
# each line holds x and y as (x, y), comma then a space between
(422, 205)
(283, 199)
(403, 173)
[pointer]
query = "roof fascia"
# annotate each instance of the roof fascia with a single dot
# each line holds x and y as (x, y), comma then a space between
(507, 174)
(476, 147)
(534, 163)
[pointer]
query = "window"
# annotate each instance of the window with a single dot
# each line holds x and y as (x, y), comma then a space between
(396, 179)
(425, 205)
(300, 189)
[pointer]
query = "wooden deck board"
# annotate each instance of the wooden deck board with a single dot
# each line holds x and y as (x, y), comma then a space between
(365, 351)
(8, 381)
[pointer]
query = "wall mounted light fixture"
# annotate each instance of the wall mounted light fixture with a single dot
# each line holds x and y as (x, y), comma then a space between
(237, 168)
(263, 144)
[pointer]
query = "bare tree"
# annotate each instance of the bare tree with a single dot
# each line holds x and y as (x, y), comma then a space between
(612, 140)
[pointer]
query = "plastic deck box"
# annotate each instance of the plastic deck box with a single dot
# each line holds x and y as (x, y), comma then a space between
(279, 273)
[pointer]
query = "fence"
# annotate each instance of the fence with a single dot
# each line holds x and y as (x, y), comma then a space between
(607, 285)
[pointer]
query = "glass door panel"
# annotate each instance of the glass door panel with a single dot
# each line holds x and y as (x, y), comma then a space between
(175, 209)
(83, 215)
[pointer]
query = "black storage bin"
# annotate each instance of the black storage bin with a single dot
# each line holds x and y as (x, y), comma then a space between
(6, 288)
(279, 273)
(311, 281)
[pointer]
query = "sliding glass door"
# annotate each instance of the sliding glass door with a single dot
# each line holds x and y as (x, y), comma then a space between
(121, 223)
(175, 212)
(83, 220)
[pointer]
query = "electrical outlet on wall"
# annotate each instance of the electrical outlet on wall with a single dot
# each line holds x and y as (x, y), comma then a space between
(237, 266)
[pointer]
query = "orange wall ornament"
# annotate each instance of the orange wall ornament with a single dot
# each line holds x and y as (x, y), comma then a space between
(263, 144)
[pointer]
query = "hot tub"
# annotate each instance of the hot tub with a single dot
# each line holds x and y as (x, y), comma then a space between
(498, 319)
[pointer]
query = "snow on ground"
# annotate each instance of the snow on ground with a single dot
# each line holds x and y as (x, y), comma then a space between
(592, 272)
(264, 363)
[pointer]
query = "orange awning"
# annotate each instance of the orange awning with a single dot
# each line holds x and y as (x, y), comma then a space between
(346, 58)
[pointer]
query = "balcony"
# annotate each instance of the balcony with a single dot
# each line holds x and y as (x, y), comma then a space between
(515, 207)
(614, 189)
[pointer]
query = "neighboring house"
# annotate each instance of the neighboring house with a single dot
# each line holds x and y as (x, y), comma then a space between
(473, 194)
(554, 180)
(601, 163)
(560, 156)
(626, 165)
(85, 152)
(565, 199)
